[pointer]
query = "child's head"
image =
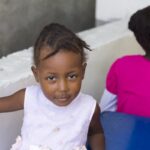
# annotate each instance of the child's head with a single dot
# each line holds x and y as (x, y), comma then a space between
(60, 63)
(140, 25)
(58, 38)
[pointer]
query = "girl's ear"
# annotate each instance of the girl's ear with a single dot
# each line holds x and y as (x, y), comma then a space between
(83, 68)
(35, 73)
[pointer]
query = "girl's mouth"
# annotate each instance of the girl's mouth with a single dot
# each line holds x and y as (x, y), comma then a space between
(63, 98)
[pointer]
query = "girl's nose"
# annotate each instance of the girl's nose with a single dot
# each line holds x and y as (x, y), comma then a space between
(63, 85)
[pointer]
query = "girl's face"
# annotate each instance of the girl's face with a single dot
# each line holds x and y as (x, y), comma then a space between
(60, 76)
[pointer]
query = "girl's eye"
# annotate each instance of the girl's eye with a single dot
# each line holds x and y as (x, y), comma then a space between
(72, 77)
(51, 78)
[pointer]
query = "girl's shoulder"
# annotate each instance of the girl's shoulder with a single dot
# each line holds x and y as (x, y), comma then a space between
(129, 58)
(90, 100)
(127, 61)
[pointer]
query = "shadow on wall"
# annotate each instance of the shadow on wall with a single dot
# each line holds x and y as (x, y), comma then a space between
(21, 21)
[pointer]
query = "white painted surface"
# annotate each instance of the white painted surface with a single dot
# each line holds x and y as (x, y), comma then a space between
(108, 43)
(117, 9)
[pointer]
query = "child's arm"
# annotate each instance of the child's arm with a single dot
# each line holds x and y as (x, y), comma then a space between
(95, 134)
(13, 102)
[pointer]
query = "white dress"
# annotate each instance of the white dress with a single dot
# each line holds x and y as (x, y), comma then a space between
(52, 127)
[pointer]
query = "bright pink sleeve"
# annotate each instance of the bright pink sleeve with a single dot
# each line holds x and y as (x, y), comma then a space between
(111, 80)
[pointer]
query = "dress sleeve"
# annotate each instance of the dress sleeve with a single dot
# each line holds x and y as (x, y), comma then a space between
(108, 102)
(112, 79)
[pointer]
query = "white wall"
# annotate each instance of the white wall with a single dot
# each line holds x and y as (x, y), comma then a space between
(115, 9)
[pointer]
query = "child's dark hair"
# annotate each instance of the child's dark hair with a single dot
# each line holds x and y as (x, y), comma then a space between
(140, 25)
(58, 37)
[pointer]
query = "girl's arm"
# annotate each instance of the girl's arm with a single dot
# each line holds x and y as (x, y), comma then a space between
(13, 102)
(95, 134)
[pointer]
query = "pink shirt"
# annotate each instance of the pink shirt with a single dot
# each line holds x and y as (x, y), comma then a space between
(129, 79)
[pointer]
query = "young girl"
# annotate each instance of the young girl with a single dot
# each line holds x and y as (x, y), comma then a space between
(128, 80)
(57, 116)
